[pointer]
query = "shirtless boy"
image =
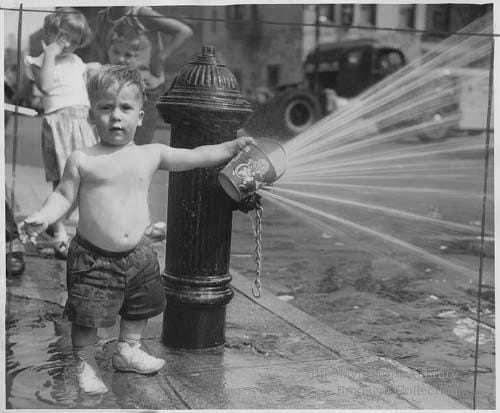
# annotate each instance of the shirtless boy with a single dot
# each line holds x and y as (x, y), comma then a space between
(110, 268)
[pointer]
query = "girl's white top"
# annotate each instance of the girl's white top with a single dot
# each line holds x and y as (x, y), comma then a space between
(69, 82)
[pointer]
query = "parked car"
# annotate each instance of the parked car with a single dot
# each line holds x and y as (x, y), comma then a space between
(335, 73)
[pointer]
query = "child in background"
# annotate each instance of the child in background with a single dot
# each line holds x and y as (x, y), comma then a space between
(111, 269)
(61, 77)
(132, 35)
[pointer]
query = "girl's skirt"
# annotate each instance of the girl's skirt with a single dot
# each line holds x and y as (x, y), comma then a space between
(64, 131)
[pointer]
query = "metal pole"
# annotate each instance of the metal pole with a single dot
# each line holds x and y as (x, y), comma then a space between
(16, 112)
(316, 54)
(483, 218)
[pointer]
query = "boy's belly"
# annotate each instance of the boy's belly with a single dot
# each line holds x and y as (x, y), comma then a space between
(113, 225)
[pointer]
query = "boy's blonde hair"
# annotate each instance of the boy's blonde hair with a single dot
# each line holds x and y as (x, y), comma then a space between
(70, 20)
(110, 75)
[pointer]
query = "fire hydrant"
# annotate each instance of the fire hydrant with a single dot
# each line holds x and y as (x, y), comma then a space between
(204, 106)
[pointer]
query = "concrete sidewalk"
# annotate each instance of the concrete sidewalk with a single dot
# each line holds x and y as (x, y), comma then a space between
(275, 355)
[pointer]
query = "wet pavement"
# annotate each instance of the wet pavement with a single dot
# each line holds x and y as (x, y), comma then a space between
(275, 356)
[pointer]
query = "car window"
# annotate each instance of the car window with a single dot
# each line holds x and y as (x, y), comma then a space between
(353, 58)
(388, 61)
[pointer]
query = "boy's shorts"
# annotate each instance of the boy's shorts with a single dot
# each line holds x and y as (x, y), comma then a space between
(102, 284)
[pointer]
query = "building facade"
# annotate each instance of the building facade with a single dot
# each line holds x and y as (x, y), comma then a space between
(256, 51)
(265, 44)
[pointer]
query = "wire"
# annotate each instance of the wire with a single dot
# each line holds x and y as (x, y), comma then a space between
(16, 114)
(300, 24)
(483, 220)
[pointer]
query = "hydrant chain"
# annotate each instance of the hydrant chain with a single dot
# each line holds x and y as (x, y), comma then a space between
(258, 251)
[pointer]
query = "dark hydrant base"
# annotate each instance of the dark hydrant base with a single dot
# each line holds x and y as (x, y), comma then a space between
(194, 327)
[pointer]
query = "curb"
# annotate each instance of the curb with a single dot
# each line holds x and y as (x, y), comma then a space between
(349, 348)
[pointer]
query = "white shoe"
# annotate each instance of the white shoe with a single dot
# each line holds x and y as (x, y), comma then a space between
(131, 358)
(88, 380)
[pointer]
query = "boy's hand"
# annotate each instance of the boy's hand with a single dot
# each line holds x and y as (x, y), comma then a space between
(34, 225)
(240, 143)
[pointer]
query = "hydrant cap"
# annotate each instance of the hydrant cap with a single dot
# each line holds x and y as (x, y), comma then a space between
(205, 83)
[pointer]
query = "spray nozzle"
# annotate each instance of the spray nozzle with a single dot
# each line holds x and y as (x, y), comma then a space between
(249, 203)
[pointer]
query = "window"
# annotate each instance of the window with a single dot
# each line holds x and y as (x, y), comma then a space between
(238, 12)
(407, 15)
(254, 12)
(273, 75)
(214, 21)
(388, 61)
(346, 14)
(327, 12)
(353, 58)
(368, 14)
(243, 22)
(441, 17)
(234, 12)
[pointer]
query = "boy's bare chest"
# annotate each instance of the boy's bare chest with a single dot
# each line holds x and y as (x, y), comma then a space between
(118, 172)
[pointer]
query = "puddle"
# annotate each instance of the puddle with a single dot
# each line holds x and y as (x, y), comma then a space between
(466, 329)
(40, 366)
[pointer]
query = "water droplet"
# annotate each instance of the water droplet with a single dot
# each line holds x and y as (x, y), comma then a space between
(447, 314)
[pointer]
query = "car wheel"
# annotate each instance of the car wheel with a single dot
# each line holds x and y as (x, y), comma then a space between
(295, 111)
(435, 133)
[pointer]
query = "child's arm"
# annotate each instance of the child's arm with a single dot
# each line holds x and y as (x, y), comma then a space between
(177, 159)
(44, 76)
(59, 202)
(98, 50)
(92, 67)
(155, 21)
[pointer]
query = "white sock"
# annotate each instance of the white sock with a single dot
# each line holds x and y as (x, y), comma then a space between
(126, 343)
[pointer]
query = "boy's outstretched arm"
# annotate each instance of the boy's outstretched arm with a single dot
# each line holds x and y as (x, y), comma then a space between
(155, 21)
(59, 201)
(177, 159)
